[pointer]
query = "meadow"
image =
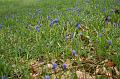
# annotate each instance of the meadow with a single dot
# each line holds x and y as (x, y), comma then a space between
(59, 39)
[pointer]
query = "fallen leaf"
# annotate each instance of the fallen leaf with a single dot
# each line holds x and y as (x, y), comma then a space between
(109, 63)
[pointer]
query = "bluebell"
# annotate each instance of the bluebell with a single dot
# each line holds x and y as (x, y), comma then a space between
(109, 42)
(54, 21)
(54, 66)
(64, 66)
(47, 77)
(37, 29)
(74, 52)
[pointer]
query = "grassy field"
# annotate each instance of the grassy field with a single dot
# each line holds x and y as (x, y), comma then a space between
(59, 39)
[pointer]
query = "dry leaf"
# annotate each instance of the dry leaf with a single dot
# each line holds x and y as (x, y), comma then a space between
(34, 76)
(68, 62)
(116, 70)
(49, 66)
(109, 63)
(62, 77)
(83, 75)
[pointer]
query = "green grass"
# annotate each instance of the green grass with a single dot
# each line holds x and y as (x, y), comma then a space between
(20, 42)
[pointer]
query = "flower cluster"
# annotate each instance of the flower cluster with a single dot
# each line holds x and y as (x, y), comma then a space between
(54, 21)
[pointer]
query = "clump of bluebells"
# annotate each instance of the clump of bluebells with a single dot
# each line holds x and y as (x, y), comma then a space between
(39, 24)
(47, 77)
(37, 29)
(54, 21)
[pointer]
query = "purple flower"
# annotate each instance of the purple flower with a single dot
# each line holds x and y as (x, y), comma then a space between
(78, 26)
(13, 16)
(48, 17)
(64, 66)
(100, 35)
(109, 42)
(0, 26)
(37, 29)
(54, 66)
(6, 17)
(47, 77)
(97, 5)
(51, 24)
(74, 52)
(104, 9)
(39, 24)
(54, 21)
(67, 37)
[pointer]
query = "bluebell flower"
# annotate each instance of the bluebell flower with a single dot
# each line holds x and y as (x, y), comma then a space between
(0, 26)
(54, 21)
(100, 35)
(39, 24)
(47, 77)
(97, 5)
(6, 17)
(78, 26)
(109, 42)
(54, 66)
(51, 24)
(13, 16)
(67, 37)
(74, 52)
(104, 9)
(37, 29)
(64, 66)
(48, 17)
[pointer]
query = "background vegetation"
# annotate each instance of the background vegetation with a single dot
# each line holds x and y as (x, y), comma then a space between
(84, 34)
